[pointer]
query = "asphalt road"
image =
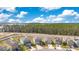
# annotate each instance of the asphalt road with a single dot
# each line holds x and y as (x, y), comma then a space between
(52, 50)
(49, 50)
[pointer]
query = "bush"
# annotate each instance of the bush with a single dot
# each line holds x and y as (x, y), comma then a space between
(42, 43)
(22, 47)
(34, 45)
(53, 44)
(64, 45)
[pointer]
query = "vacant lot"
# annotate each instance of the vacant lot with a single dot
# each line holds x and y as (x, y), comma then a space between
(33, 35)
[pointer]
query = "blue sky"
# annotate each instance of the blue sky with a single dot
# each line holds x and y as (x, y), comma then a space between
(39, 14)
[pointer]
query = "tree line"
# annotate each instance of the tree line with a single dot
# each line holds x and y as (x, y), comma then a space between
(46, 28)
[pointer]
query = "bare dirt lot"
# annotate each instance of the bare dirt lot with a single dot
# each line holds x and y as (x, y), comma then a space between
(39, 35)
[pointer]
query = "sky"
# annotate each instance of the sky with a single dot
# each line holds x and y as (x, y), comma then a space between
(39, 14)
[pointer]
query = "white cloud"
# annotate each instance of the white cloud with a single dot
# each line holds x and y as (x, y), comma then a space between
(56, 20)
(67, 21)
(10, 9)
(38, 20)
(22, 13)
(68, 12)
(42, 15)
(67, 16)
(28, 22)
(49, 8)
(4, 17)
(77, 16)
(1, 10)
(49, 19)
(14, 21)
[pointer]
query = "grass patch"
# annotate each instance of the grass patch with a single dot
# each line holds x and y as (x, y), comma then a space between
(1, 36)
(23, 48)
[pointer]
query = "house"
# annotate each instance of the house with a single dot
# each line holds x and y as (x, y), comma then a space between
(77, 42)
(25, 41)
(1, 28)
(48, 40)
(58, 40)
(37, 40)
(70, 43)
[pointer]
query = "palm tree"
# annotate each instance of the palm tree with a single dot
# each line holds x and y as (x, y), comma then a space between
(43, 43)
(53, 44)
(64, 45)
(33, 43)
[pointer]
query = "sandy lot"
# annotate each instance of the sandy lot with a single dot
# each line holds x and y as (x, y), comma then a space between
(39, 35)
